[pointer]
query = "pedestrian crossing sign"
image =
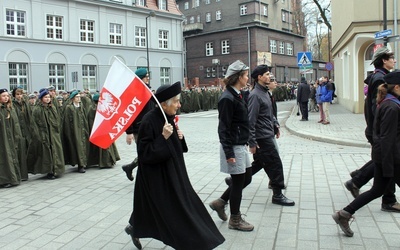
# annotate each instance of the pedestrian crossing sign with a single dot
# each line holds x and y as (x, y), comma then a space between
(304, 59)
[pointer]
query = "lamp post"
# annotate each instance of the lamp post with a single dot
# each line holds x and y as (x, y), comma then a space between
(152, 13)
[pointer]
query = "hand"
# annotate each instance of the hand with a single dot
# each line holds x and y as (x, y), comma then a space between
(129, 138)
(278, 134)
(253, 149)
(180, 134)
(167, 130)
(231, 160)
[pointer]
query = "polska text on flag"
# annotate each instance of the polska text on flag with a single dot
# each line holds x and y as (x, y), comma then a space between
(122, 98)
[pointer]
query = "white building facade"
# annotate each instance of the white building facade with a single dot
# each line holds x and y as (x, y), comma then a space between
(72, 43)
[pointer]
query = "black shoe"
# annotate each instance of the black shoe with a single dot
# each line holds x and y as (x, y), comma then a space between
(50, 176)
(354, 190)
(280, 199)
(136, 241)
(128, 168)
(81, 170)
(394, 207)
(304, 120)
(228, 181)
(8, 185)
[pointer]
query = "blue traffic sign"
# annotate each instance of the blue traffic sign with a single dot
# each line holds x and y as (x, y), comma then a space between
(304, 59)
(329, 66)
(383, 33)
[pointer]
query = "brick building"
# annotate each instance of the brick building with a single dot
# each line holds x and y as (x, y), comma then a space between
(218, 32)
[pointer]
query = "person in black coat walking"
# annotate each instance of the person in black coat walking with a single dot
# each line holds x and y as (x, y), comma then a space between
(303, 93)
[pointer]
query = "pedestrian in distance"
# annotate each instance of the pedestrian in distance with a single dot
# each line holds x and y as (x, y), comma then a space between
(303, 93)
(385, 149)
(326, 98)
(383, 61)
(318, 100)
(233, 133)
(262, 125)
(166, 207)
(133, 129)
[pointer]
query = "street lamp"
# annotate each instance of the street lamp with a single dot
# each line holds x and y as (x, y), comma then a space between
(151, 14)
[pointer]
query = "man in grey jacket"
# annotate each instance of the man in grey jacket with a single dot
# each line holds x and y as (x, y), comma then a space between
(262, 125)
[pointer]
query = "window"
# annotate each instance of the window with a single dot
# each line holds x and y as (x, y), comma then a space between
(163, 39)
(115, 33)
(54, 27)
(198, 18)
(281, 48)
(15, 23)
(265, 10)
(289, 49)
(191, 19)
(18, 75)
(225, 47)
(164, 76)
(87, 31)
(57, 76)
(285, 16)
(162, 4)
(186, 5)
(243, 9)
(89, 77)
(272, 46)
(196, 3)
(140, 36)
(218, 15)
(207, 1)
(209, 49)
(208, 17)
(140, 2)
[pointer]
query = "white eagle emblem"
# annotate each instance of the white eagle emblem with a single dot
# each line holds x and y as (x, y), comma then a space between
(108, 104)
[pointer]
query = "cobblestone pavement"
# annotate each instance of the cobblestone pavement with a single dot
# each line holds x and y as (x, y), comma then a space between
(90, 211)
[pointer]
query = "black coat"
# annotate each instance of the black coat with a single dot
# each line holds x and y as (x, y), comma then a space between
(386, 146)
(303, 92)
(166, 207)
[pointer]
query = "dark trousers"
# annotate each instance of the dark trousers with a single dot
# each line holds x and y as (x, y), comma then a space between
(304, 110)
(378, 188)
(366, 173)
(234, 192)
(267, 157)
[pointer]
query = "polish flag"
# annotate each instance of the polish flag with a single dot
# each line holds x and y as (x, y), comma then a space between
(122, 98)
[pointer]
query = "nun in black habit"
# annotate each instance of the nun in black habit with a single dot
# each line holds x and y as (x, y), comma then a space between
(166, 207)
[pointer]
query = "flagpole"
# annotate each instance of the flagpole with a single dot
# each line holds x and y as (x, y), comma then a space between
(162, 111)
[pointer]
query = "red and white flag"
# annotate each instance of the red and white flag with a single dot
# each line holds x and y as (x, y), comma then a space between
(122, 98)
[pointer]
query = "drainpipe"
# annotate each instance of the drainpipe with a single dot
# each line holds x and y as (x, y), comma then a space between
(395, 29)
(248, 47)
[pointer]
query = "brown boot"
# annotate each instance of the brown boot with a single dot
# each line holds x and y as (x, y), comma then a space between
(236, 222)
(342, 218)
(219, 206)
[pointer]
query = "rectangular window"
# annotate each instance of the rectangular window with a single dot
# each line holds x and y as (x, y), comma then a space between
(281, 48)
(162, 4)
(243, 9)
(163, 39)
(209, 49)
(18, 75)
(207, 1)
(140, 3)
(164, 76)
(285, 16)
(87, 31)
(196, 3)
(140, 37)
(289, 49)
(15, 23)
(225, 47)
(57, 76)
(198, 18)
(89, 77)
(186, 7)
(115, 33)
(265, 10)
(191, 19)
(54, 27)
(208, 17)
(218, 15)
(272, 46)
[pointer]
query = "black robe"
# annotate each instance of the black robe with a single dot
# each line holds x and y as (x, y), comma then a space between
(166, 207)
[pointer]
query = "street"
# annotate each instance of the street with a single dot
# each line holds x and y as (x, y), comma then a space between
(90, 211)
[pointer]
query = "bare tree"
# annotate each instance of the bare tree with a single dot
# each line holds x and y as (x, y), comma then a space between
(324, 12)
